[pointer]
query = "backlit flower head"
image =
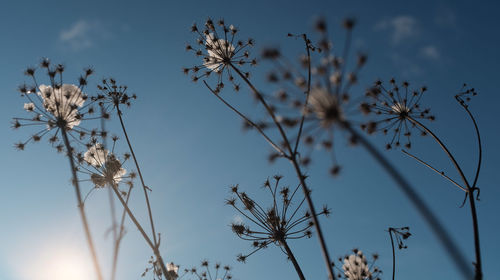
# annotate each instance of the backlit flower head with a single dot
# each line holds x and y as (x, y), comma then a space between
(314, 100)
(221, 53)
(395, 106)
(275, 224)
(56, 106)
(103, 167)
(356, 267)
(172, 270)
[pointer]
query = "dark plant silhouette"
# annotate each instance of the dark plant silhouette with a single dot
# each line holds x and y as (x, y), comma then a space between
(275, 224)
(401, 234)
(405, 110)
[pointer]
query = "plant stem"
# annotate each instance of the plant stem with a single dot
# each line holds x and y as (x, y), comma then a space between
(140, 174)
(81, 209)
(119, 238)
(393, 255)
(470, 191)
(293, 159)
(292, 258)
(141, 230)
(422, 208)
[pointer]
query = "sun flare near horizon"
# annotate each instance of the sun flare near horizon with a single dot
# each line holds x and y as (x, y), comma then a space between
(58, 262)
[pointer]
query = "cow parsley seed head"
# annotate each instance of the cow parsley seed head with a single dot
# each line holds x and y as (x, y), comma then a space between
(56, 106)
(395, 107)
(222, 54)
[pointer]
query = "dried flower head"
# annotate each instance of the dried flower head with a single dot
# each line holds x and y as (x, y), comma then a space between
(397, 107)
(314, 100)
(113, 95)
(56, 106)
(401, 234)
(204, 273)
(222, 54)
(102, 166)
(356, 267)
(277, 223)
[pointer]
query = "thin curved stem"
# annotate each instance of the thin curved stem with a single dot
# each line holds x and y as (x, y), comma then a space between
(116, 248)
(444, 237)
(81, 209)
(470, 190)
(441, 173)
(393, 256)
(144, 187)
(294, 261)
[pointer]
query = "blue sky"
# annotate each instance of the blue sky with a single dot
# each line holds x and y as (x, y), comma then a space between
(192, 148)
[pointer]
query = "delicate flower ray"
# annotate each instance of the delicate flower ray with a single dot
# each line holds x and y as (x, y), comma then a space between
(275, 225)
(356, 267)
(395, 106)
(56, 106)
(222, 52)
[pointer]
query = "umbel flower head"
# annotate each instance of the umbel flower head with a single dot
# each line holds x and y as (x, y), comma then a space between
(113, 95)
(313, 101)
(205, 273)
(56, 106)
(401, 234)
(356, 267)
(397, 106)
(103, 167)
(220, 51)
(277, 223)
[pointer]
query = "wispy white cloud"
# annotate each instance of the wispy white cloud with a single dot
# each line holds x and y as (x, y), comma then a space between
(81, 35)
(430, 52)
(401, 27)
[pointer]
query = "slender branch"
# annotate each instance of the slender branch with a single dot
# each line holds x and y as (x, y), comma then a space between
(81, 209)
(119, 113)
(307, 93)
(480, 148)
(450, 247)
(276, 147)
(393, 256)
(141, 230)
(299, 173)
(441, 173)
(116, 248)
(292, 258)
(470, 190)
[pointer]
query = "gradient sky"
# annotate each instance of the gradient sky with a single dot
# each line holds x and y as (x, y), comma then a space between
(192, 148)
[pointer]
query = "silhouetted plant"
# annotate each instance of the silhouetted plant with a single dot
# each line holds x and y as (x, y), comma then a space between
(59, 109)
(401, 234)
(275, 224)
(157, 273)
(406, 111)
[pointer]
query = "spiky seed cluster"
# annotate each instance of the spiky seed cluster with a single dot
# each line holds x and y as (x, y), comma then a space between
(221, 53)
(56, 106)
(321, 98)
(102, 166)
(401, 234)
(275, 224)
(205, 273)
(396, 106)
(113, 95)
(356, 267)
(465, 94)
